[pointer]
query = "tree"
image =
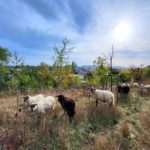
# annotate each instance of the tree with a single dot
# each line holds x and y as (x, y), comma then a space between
(74, 67)
(16, 60)
(102, 70)
(60, 60)
(4, 55)
(100, 62)
(110, 58)
(43, 74)
(124, 76)
(136, 73)
(62, 53)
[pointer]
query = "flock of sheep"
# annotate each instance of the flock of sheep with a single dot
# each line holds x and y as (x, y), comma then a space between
(41, 104)
(124, 88)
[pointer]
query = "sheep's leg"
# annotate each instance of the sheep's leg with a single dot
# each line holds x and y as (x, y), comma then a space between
(38, 120)
(96, 102)
(70, 119)
(110, 104)
(54, 105)
(65, 114)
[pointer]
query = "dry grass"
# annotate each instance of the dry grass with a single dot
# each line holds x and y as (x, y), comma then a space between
(92, 128)
(144, 138)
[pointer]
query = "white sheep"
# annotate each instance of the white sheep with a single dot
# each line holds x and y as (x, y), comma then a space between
(136, 85)
(147, 87)
(103, 96)
(30, 100)
(43, 105)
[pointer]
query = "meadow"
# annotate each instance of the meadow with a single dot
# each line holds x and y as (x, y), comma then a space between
(124, 126)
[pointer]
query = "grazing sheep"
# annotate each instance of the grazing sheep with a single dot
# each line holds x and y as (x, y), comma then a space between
(103, 96)
(147, 87)
(32, 99)
(68, 105)
(136, 85)
(124, 88)
(43, 105)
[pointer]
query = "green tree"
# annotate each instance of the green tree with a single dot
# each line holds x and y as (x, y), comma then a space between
(74, 67)
(16, 60)
(4, 78)
(61, 56)
(43, 75)
(136, 73)
(16, 71)
(102, 71)
(4, 55)
(124, 76)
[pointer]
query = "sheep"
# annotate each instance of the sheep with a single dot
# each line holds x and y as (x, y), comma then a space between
(43, 105)
(147, 87)
(68, 105)
(103, 96)
(32, 99)
(124, 88)
(136, 85)
(125, 84)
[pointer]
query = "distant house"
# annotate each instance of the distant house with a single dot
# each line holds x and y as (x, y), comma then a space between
(82, 73)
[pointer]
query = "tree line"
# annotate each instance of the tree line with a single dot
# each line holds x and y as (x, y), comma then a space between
(61, 74)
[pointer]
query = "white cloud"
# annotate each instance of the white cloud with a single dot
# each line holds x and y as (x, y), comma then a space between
(98, 35)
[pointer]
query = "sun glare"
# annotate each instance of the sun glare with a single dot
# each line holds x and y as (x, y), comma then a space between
(122, 30)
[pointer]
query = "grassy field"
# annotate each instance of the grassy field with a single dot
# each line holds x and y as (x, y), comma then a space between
(125, 126)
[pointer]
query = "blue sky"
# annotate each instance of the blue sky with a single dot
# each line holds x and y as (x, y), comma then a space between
(32, 27)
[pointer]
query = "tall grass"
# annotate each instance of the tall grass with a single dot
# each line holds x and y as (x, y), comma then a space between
(92, 128)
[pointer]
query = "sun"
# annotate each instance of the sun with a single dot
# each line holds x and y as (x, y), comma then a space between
(122, 31)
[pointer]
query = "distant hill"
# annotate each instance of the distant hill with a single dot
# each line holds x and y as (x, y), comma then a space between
(92, 67)
(120, 67)
(87, 67)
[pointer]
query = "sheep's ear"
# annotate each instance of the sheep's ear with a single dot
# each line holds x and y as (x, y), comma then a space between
(92, 88)
(25, 98)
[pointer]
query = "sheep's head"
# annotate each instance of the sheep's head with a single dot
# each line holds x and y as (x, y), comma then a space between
(60, 98)
(92, 90)
(25, 98)
(32, 107)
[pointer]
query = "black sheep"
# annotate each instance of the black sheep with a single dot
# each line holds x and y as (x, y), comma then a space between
(68, 105)
(123, 89)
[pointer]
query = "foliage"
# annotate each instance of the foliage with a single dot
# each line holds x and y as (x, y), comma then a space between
(102, 71)
(60, 60)
(136, 73)
(124, 76)
(4, 78)
(4, 55)
(90, 78)
(74, 67)
(61, 53)
(61, 74)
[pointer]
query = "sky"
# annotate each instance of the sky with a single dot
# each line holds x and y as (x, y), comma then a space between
(33, 27)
